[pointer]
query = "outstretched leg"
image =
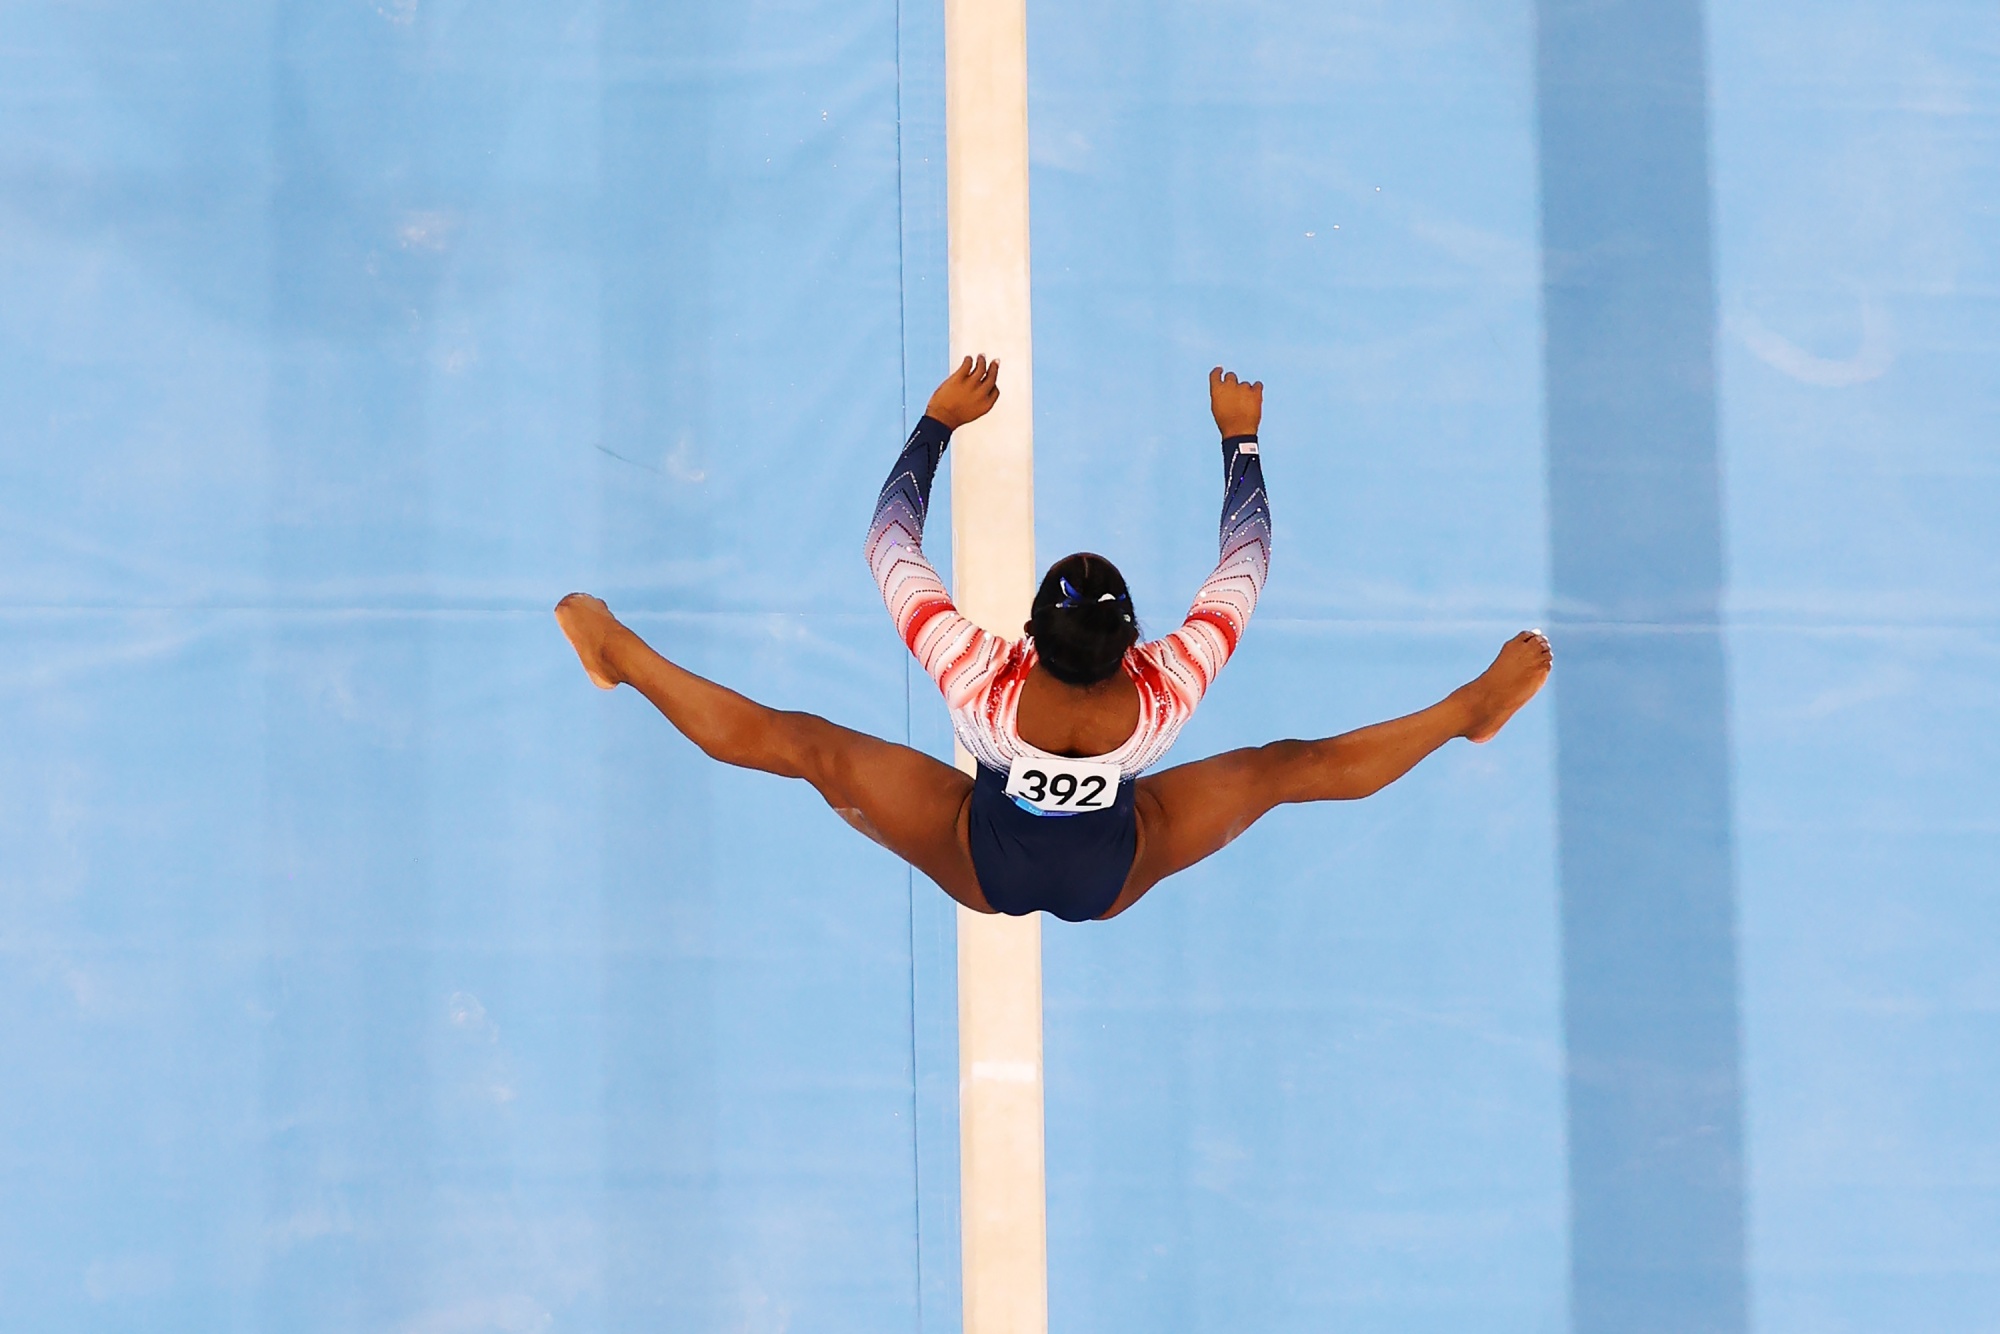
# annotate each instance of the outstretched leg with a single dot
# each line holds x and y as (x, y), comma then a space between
(903, 799)
(1190, 811)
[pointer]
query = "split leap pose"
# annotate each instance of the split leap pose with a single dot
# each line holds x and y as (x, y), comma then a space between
(1063, 720)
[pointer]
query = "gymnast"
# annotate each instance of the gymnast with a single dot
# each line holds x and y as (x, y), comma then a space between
(1062, 721)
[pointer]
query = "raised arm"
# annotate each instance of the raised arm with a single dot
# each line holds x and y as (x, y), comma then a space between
(954, 652)
(1222, 608)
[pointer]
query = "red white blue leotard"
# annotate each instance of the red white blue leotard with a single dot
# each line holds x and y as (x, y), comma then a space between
(981, 673)
(1026, 860)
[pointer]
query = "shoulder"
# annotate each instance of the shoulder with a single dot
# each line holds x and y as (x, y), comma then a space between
(978, 662)
(1158, 659)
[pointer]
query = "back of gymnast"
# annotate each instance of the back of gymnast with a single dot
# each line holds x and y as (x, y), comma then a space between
(1077, 685)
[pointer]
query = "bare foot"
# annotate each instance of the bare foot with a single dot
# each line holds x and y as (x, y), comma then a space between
(1512, 680)
(588, 623)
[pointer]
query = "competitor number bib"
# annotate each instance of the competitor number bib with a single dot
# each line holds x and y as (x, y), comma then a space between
(1062, 787)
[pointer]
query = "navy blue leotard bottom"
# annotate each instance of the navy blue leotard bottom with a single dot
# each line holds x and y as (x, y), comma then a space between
(1072, 866)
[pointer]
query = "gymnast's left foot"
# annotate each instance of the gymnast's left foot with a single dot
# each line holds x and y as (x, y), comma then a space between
(588, 624)
(1512, 680)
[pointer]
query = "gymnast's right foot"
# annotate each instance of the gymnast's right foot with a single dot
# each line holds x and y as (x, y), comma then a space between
(588, 624)
(1512, 680)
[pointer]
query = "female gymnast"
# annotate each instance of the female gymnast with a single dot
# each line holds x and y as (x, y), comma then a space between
(1062, 721)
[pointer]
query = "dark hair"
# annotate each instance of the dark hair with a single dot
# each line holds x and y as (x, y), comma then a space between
(1082, 619)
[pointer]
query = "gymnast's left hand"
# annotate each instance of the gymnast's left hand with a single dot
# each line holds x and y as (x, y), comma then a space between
(967, 394)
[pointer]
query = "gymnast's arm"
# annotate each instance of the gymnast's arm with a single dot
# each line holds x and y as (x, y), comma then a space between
(957, 654)
(1221, 611)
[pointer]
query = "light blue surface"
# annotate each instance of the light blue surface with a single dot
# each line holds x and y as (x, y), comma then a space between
(364, 969)
(1650, 975)
(361, 969)
(1315, 1083)
(1857, 188)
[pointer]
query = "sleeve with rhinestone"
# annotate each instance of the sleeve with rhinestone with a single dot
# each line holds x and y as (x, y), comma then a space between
(955, 653)
(1194, 654)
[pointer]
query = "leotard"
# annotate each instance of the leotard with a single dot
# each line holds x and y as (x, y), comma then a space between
(1069, 865)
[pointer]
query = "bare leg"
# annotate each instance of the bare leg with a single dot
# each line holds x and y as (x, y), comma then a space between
(903, 799)
(1193, 810)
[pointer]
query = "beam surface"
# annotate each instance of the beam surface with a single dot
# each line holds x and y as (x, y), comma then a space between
(1003, 1193)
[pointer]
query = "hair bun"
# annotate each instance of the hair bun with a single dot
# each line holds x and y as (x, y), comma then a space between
(1082, 619)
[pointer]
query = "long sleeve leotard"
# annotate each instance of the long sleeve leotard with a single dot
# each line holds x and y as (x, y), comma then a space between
(981, 673)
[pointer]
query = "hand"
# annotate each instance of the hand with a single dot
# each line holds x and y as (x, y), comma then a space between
(967, 394)
(1238, 405)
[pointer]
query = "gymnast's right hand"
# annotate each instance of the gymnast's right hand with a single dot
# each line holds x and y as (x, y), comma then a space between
(1238, 405)
(967, 394)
